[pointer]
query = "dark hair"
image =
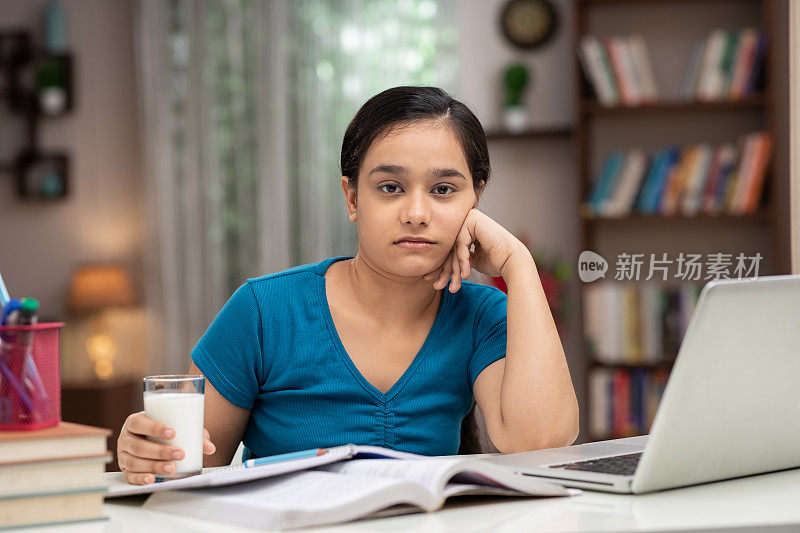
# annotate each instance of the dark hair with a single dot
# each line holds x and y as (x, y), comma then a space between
(402, 106)
(405, 105)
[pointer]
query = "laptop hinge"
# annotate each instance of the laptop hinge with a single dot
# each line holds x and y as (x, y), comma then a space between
(570, 479)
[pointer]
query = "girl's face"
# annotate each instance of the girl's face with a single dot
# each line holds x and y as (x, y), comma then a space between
(413, 182)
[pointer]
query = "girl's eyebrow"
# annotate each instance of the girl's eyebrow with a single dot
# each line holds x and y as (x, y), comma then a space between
(403, 171)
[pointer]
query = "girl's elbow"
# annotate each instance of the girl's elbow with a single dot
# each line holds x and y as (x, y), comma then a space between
(542, 440)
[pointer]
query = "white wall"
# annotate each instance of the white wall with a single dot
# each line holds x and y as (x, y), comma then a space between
(485, 53)
(101, 219)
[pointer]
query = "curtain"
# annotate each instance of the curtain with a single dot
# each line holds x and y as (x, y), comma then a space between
(243, 107)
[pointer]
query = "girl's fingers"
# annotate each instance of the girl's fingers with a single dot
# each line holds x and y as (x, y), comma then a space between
(463, 260)
(141, 447)
(208, 447)
(455, 279)
(139, 478)
(137, 464)
(463, 243)
(139, 424)
(444, 275)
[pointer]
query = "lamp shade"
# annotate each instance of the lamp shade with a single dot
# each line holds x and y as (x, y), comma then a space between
(97, 287)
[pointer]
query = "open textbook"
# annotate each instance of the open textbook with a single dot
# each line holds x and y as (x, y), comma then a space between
(240, 473)
(348, 490)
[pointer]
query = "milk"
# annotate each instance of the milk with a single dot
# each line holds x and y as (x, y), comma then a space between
(183, 412)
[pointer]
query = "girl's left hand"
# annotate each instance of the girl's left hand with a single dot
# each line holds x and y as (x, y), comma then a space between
(494, 246)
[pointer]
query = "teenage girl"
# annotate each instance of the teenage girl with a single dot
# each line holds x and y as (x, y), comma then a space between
(389, 347)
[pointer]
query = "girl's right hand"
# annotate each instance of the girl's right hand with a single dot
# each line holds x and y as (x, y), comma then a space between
(140, 459)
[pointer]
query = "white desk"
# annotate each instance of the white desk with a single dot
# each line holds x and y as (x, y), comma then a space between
(767, 499)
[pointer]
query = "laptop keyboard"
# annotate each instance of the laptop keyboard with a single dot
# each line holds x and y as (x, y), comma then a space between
(623, 465)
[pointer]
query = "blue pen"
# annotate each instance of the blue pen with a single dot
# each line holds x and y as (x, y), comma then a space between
(12, 305)
(250, 463)
(4, 297)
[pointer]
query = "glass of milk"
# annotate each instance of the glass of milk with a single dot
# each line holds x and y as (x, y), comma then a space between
(177, 401)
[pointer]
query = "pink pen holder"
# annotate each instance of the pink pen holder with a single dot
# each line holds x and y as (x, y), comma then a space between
(30, 388)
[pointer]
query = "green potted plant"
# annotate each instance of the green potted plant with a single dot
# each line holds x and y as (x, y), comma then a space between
(515, 80)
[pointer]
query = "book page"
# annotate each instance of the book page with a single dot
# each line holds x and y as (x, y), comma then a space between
(224, 475)
(379, 452)
(467, 489)
(431, 472)
(294, 500)
(434, 474)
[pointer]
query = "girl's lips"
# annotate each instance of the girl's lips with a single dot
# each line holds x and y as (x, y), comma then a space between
(414, 245)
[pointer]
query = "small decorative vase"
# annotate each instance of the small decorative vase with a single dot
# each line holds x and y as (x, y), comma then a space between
(515, 80)
(515, 118)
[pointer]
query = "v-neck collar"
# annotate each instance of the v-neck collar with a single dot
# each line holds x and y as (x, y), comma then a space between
(398, 385)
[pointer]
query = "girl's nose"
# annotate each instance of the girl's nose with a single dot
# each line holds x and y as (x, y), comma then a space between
(415, 209)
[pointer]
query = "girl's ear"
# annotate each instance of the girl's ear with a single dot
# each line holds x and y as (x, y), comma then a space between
(478, 192)
(349, 198)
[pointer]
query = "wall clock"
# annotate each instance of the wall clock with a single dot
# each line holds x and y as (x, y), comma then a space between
(528, 24)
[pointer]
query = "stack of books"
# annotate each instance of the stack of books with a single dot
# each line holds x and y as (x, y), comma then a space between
(688, 181)
(52, 475)
(637, 323)
(624, 401)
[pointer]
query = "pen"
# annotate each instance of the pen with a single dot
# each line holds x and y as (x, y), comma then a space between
(28, 317)
(12, 305)
(12, 380)
(4, 297)
(250, 463)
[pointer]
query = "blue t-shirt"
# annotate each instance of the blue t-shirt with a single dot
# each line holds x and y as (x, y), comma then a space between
(274, 349)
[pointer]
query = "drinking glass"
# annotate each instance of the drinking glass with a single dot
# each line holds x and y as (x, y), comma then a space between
(177, 401)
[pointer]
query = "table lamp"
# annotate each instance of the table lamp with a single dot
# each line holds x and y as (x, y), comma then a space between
(94, 289)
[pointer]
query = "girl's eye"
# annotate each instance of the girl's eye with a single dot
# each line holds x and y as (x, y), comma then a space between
(445, 187)
(441, 190)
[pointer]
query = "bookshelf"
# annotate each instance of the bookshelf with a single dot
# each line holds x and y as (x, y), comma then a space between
(554, 132)
(600, 129)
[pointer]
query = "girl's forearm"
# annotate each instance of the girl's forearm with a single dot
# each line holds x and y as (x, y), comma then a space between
(537, 399)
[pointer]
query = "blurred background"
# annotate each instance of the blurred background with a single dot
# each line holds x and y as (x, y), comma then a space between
(154, 154)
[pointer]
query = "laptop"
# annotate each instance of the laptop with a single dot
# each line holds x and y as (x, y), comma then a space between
(731, 406)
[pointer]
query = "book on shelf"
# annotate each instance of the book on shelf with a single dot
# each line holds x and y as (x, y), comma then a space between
(724, 66)
(627, 183)
(52, 475)
(751, 172)
(596, 64)
(640, 59)
(624, 70)
(603, 184)
(692, 180)
(350, 489)
(624, 401)
(636, 323)
(619, 69)
(652, 189)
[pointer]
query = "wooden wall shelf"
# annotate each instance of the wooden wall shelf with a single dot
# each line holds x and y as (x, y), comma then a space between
(764, 216)
(544, 133)
(590, 107)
